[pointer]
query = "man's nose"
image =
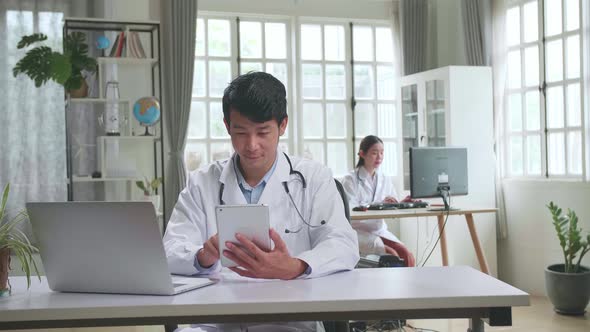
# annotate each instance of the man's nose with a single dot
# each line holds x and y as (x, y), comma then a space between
(251, 142)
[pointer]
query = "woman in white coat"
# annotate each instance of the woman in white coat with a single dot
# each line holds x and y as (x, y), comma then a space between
(310, 234)
(366, 185)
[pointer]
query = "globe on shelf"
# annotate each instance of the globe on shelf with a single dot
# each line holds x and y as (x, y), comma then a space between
(102, 42)
(147, 111)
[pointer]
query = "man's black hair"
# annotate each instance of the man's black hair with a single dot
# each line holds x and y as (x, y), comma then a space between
(258, 96)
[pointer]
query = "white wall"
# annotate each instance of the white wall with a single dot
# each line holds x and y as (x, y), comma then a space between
(123, 10)
(532, 243)
(363, 9)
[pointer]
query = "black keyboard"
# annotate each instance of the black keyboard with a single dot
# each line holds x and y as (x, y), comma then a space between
(400, 205)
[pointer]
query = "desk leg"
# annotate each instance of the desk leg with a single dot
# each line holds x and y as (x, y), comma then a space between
(476, 244)
(475, 325)
(170, 328)
(443, 240)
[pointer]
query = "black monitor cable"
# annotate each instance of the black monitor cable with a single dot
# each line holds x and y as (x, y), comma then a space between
(448, 210)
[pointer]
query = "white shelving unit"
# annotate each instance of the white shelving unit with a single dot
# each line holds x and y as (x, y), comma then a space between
(104, 167)
(128, 61)
(94, 100)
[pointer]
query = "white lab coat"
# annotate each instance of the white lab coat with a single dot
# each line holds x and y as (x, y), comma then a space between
(326, 249)
(357, 186)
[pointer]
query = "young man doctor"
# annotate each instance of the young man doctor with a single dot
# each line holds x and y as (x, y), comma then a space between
(311, 235)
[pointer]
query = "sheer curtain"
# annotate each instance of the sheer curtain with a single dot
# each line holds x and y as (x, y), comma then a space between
(413, 31)
(32, 129)
(477, 28)
(499, 77)
(586, 84)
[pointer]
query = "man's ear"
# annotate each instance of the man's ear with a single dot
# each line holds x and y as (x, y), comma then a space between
(283, 126)
(226, 125)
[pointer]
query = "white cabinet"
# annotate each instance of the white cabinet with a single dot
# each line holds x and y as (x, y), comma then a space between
(453, 106)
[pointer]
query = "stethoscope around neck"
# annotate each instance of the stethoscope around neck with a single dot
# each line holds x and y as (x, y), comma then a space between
(286, 187)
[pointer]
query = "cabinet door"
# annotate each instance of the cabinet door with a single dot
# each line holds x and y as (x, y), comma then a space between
(410, 129)
(435, 113)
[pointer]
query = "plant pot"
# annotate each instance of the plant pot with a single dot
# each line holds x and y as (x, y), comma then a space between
(4, 267)
(155, 199)
(569, 292)
(81, 92)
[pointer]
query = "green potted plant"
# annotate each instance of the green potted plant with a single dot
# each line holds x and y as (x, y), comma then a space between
(149, 190)
(568, 284)
(13, 240)
(42, 63)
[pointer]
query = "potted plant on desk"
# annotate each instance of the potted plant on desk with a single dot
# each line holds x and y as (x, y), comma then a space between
(568, 284)
(13, 240)
(149, 190)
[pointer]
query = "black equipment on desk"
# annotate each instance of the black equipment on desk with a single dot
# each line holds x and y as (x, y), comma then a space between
(399, 205)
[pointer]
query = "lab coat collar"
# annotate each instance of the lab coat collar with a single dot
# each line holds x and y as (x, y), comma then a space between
(232, 193)
(275, 183)
(364, 174)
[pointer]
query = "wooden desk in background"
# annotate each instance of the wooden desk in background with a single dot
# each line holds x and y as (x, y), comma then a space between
(440, 215)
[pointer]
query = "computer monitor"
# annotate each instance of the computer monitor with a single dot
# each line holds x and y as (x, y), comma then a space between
(438, 172)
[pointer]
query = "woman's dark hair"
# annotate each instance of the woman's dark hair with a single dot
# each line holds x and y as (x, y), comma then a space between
(258, 96)
(365, 146)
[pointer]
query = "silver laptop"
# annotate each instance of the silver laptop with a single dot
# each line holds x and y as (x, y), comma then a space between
(104, 247)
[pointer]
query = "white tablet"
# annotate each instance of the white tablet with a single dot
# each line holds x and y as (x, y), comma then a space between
(251, 220)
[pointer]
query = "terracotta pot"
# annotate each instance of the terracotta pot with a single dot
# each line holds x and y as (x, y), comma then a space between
(4, 267)
(81, 92)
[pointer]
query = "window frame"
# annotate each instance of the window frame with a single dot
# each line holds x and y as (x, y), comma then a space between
(294, 63)
(544, 131)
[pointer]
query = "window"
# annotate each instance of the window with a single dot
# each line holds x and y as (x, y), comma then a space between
(543, 110)
(324, 116)
(375, 90)
(215, 65)
(319, 84)
(263, 46)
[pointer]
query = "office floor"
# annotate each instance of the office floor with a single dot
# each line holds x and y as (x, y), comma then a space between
(539, 317)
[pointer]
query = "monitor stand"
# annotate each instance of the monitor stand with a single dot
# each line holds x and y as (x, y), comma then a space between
(444, 191)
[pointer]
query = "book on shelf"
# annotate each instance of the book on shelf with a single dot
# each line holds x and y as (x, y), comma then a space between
(114, 47)
(118, 48)
(127, 44)
(134, 46)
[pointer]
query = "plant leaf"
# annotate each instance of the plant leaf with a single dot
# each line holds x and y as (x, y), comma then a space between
(36, 64)
(61, 68)
(4, 200)
(140, 185)
(30, 39)
(156, 183)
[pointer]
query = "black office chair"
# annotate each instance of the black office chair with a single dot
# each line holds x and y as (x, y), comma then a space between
(384, 261)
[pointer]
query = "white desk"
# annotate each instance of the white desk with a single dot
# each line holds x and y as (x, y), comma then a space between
(440, 215)
(362, 294)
